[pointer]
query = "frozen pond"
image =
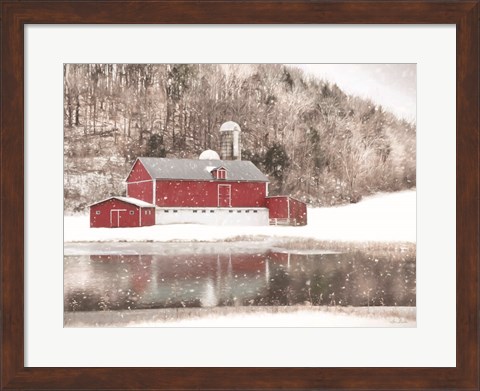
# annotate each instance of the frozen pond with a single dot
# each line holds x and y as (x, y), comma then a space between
(147, 276)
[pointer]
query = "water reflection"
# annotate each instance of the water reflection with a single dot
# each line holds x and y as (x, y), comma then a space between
(271, 278)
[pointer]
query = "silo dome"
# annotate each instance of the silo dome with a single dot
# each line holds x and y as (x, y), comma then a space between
(230, 126)
(209, 155)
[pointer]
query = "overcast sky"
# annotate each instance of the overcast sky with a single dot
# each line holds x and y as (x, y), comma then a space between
(394, 86)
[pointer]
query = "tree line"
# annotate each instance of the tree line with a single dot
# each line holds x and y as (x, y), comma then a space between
(313, 140)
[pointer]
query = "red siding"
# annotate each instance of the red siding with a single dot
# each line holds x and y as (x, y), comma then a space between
(213, 265)
(284, 207)
(277, 207)
(298, 211)
(205, 194)
(141, 191)
(138, 173)
(248, 194)
(278, 258)
(116, 213)
(148, 216)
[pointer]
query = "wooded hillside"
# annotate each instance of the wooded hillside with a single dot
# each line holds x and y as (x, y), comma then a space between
(314, 141)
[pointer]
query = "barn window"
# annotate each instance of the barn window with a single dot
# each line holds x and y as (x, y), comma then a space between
(220, 173)
(254, 211)
(165, 211)
(97, 212)
(132, 212)
(230, 211)
(195, 211)
(204, 211)
(175, 211)
(212, 211)
(239, 211)
(247, 211)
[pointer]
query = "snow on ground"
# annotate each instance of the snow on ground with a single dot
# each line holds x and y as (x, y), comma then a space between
(250, 317)
(387, 217)
(176, 248)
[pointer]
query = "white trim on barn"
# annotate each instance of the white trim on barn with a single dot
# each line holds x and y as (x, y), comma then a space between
(229, 194)
(154, 184)
(128, 200)
(118, 216)
(130, 171)
(146, 180)
(205, 180)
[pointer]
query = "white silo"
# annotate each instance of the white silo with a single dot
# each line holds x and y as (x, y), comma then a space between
(230, 141)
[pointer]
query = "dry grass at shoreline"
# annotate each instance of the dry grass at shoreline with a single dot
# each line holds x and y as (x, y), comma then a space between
(308, 244)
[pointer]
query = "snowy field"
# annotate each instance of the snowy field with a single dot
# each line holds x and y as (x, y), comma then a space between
(389, 217)
(296, 316)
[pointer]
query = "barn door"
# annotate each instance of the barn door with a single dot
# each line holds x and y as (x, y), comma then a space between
(224, 196)
(115, 217)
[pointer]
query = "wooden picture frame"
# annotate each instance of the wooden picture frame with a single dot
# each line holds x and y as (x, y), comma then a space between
(15, 15)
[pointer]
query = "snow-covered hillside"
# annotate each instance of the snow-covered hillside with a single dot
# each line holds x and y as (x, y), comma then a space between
(386, 217)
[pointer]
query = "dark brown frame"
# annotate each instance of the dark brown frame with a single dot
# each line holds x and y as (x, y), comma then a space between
(16, 14)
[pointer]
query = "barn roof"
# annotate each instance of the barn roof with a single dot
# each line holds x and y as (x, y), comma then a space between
(195, 169)
(128, 200)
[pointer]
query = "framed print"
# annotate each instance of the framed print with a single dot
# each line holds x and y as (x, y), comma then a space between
(229, 195)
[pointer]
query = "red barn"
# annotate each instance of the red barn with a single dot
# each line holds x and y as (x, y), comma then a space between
(208, 190)
(197, 183)
(117, 212)
(284, 210)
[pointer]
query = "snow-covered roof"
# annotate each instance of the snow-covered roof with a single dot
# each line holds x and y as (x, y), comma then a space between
(193, 169)
(128, 200)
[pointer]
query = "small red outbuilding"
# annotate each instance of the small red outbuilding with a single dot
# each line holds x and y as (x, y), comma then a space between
(121, 212)
(285, 210)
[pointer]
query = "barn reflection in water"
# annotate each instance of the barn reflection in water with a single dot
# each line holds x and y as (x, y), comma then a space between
(270, 278)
